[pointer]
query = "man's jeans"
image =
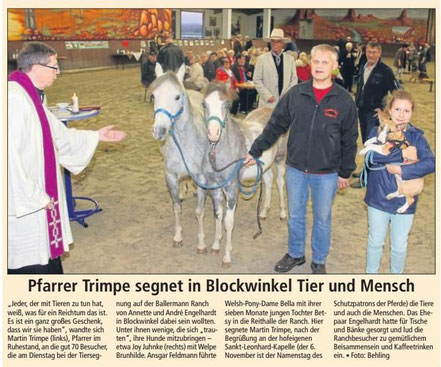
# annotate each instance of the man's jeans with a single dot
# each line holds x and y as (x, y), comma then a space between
(400, 225)
(323, 189)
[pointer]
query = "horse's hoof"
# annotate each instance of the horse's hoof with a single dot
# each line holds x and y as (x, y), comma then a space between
(262, 218)
(177, 244)
(225, 265)
(215, 251)
(202, 251)
(282, 219)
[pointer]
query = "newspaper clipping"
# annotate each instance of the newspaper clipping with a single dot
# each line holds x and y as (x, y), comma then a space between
(140, 282)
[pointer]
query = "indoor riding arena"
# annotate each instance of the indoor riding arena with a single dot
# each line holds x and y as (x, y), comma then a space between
(134, 232)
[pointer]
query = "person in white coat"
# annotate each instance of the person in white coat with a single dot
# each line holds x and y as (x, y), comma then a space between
(275, 71)
(38, 143)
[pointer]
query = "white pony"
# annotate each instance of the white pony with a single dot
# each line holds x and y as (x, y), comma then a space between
(231, 140)
(180, 112)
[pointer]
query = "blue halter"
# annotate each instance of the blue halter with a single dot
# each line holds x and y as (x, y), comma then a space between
(174, 117)
(238, 166)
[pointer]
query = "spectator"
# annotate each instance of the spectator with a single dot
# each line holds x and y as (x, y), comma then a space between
(237, 44)
(275, 72)
(347, 66)
(291, 45)
(248, 43)
(360, 59)
(208, 67)
(230, 56)
(243, 75)
(400, 62)
(374, 82)
(170, 57)
(412, 54)
(195, 79)
(225, 75)
(424, 57)
(303, 68)
(148, 69)
(216, 61)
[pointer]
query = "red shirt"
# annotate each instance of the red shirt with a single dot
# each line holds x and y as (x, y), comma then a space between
(222, 76)
(320, 93)
(304, 72)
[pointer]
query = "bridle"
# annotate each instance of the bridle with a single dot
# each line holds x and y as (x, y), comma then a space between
(175, 117)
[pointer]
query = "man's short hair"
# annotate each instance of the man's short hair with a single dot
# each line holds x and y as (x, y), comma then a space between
(34, 53)
(325, 48)
(213, 53)
(374, 45)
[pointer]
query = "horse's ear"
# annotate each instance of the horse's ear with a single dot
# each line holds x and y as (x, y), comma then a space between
(381, 116)
(181, 72)
(158, 70)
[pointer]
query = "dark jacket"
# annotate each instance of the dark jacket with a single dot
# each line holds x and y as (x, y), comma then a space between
(148, 72)
(209, 70)
(171, 57)
(380, 82)
(237, 47)
(380, 183)
(237, 74)
(322, 138)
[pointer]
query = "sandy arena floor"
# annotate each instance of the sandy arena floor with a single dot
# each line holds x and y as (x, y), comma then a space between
(134, 232)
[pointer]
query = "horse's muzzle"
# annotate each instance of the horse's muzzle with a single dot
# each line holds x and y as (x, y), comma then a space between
(159, 133)
(214, 133)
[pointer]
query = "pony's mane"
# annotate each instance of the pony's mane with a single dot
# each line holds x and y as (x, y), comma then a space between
(224, 91)
(195, 108)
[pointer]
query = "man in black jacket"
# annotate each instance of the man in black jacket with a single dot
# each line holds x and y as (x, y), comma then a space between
(374, 81)
(208, 66)
(322, 121)
(148, 69)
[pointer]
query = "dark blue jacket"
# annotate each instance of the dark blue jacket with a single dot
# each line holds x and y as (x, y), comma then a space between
(371, 93)
(380, 183)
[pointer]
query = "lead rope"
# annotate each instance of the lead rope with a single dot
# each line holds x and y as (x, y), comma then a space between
(212, 159)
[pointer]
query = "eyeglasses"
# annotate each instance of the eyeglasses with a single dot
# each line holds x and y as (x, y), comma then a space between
(55, 67)
(318, 62)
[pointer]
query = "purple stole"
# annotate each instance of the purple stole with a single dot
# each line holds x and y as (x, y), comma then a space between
(50, 166)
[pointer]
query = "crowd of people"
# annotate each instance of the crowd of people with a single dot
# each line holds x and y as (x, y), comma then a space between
(236, 65)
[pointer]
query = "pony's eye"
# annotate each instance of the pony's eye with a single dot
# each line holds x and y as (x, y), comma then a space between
(204, 105)
(177, 97)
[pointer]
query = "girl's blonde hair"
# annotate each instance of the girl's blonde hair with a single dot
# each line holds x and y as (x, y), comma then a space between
(400, 94)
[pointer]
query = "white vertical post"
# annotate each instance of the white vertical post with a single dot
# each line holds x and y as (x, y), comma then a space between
(266, 31)
(177, 23)
(226, 24)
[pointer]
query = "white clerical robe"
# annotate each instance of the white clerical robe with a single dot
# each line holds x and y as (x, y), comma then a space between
(28, 242)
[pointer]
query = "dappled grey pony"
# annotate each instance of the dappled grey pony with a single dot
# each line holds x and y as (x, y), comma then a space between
(231, 139)
(181, 111)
